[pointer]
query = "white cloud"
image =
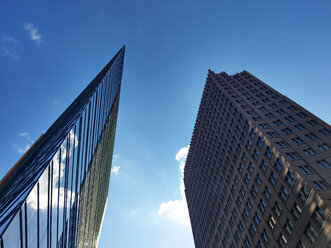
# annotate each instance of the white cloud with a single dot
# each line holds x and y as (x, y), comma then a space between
(115, 170)
(115, 157)
(23, 150)
(10, 53)
(34, 35)
(177, 209)
(8, 39)
(24, 134)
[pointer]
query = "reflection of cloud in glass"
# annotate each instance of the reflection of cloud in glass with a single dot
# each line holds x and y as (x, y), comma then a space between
(43, 180)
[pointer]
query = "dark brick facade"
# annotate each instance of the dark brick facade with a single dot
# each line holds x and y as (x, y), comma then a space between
(258, 172)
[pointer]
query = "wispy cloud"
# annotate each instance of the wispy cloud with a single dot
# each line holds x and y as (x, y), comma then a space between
(8, 39)
(10, 53)
(33, 31)
(8, 47)
(25, 135)
(115, 170)
(24, 149)
(177, 209)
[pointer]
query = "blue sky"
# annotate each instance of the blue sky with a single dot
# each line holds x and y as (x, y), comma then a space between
(50, 50)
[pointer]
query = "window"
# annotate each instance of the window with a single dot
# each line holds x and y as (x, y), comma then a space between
(262, 109)
(255, 154)
(239, 201)
(303, 194)
(268, 152)
(262, 205)
(249, 203)
(297, 141)
(247, 243)
(289, 118)
(324, 164)
(325, 131)
(299, 127)
(278, 164)
(272, 105)
(280, 111)
(269, 115)
(247, 178)
(265, 236)
(267, 193)
(293, 155)
(240, 168)
(258, 179)
(283, 102)
(286, 131)
(311, 233)
(245, 214)
(272, 134)
(253, 191)
(306, 169)
(290, 178)
(242, 191)
(271, 221)
(252, 133)
(259, 142)
(282, 241)
(251, 167)
(288, 226)
(301, 244)
(273, 178)
(240, 227)
(309, 151)
(301, 115)
(311, 136)
(323, 147)
(277, 123)
(244, 157)
(257, 218)
(319, 216)
(283, 193)
(320, 185)
(296, 211)
(252, 230)
(312, 123)
(248, 144)
(277, 209)
(264, 125)
(263, 165)
(291, 108)
(282, 144)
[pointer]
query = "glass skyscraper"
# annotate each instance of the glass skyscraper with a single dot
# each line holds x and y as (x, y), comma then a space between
(55, 195)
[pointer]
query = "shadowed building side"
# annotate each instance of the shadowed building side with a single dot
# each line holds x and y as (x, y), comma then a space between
(258, 172)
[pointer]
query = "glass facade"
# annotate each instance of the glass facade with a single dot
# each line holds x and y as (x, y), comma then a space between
(55, 196)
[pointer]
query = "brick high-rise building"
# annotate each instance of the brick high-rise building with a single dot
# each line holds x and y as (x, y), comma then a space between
(258, 172)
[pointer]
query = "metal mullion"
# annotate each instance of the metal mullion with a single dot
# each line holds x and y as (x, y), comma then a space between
(87, 137)
(50, 207)
(76, 208)
(26, 225)
(38, 215)
(64, 229)
(94, 125)
(82, 150)
(21, 228)
(58, 198)
(102, 106)
(98, 118)
(71, 186)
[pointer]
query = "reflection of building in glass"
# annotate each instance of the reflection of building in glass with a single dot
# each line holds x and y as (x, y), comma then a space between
(258, 172)
(55, 195)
